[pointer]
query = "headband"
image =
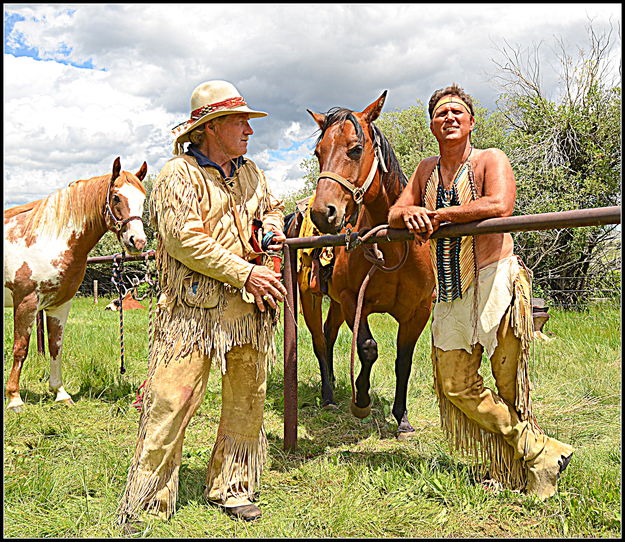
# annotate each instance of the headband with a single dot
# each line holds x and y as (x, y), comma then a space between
(451, 99)
(198, 113)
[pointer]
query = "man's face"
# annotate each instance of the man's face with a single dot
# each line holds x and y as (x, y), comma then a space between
(451, 121)
(233, 132)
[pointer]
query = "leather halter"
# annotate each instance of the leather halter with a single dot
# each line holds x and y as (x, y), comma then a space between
(358, 192)
(118, 224)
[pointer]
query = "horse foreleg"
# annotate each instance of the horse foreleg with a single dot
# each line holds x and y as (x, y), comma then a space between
(24, 313)
(311, 307)
(407, 336)
(56, 319)
(331, 327)
(368, 354)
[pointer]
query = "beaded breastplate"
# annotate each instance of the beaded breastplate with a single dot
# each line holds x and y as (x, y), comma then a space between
(453, 258)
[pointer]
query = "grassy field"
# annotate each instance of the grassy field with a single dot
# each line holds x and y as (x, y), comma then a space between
(65, 468)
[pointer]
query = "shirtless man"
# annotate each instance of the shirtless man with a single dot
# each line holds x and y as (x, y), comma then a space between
(483, 302)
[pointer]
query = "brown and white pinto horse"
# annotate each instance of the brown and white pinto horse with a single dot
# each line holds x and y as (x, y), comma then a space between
(359, 181)
(46, 244)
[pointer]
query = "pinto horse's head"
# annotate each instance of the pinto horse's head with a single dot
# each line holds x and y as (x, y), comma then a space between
(348, 162)
(124, 206)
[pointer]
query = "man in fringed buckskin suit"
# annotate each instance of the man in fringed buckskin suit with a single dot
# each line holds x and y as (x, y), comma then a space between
(218, 304)
(483, 303)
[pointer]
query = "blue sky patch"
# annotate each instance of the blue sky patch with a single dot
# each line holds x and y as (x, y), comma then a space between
(15, 44)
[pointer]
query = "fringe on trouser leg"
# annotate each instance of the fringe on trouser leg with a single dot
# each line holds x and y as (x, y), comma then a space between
(503, 460)
(235, 468)
(153, 491)
(173, 393)
(240, 449)
(492, 455)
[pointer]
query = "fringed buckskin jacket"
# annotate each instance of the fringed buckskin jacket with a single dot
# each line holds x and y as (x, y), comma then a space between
(203, 246)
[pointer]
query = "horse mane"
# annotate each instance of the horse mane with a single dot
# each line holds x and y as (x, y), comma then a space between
(395, 173)
(78, 206)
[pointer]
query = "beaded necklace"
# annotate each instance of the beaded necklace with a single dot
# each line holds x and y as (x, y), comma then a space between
(453, 257)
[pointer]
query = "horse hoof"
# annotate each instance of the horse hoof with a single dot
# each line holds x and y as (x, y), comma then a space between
(16, 408)
(67, 402)
(360, 412)
(405, 435)
(329, 406)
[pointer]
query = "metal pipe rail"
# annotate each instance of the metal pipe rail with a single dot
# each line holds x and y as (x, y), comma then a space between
(545, 221)
(93, 260)
(565, 219)
(127, 257)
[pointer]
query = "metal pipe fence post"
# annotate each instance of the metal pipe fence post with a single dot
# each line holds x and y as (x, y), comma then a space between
(290, 348)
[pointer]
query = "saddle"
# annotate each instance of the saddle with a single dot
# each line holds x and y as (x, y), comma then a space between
(317, 263)
(320, 274)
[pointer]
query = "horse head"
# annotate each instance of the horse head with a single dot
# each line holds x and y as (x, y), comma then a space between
(124, 206)
(349, 156)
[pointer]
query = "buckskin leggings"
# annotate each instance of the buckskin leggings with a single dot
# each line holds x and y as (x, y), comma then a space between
(174, 391)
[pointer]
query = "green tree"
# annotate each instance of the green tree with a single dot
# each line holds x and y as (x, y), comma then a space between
(408, 132)
(566, 154)
(311, 167)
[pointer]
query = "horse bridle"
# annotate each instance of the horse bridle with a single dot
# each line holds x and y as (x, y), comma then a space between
(118, 224)
(358, 192)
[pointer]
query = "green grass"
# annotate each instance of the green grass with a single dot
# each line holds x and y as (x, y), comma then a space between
(65, 468)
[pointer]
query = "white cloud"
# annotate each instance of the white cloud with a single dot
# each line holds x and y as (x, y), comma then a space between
(63, 122)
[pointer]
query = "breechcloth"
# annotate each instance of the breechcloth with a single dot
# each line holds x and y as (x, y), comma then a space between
(174, 391)
(499, 424)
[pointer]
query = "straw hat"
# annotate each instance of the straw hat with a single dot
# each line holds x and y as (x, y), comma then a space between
(210, 100)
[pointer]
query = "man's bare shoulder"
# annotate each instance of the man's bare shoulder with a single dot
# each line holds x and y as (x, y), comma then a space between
(427, 162)
(490, 155)
(425, 168)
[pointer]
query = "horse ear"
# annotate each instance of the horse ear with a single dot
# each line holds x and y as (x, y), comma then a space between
(372, 112)
(142, 172)
(319, 118)
(117, 167)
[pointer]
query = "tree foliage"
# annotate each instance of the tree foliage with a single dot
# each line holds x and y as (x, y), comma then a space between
(566, 155)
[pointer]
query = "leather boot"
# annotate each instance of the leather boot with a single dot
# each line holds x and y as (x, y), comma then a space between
(544, 469)
(247, 512)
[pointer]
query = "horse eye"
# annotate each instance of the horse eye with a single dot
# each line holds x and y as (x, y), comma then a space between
(355, 152)
(116, 199)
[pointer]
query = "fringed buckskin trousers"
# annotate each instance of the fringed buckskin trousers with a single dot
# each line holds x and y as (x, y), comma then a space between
(174, 391)
(500, 424)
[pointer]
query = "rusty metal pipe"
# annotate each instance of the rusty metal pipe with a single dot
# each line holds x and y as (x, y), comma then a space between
(290, 348)
(127, 257)
(545, 221)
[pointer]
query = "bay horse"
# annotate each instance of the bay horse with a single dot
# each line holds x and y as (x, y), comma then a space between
(359, 181)
(46, 244)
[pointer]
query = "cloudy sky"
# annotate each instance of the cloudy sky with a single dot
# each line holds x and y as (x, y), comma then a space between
(84, 84)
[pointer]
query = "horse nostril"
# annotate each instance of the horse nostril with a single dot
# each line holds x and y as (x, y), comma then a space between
(331, 213)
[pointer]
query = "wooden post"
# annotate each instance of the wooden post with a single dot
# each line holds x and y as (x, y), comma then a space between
(95, 292)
